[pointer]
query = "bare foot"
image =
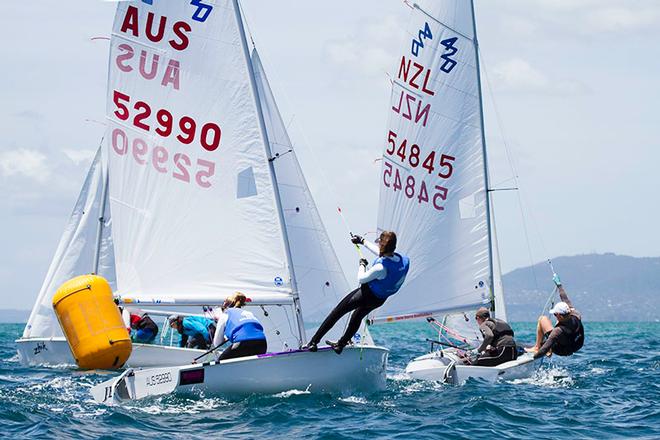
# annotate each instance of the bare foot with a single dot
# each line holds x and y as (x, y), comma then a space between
(531, 349)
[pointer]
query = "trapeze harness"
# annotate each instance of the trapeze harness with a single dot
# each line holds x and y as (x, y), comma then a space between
(571, 338)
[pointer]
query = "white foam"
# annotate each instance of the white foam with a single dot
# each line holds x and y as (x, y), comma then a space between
(554, 377)
(289, 393)
(354, 399)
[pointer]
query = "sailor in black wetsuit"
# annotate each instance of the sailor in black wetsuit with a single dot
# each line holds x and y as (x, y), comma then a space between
(384, 279)
(567, 336)
(498, 345)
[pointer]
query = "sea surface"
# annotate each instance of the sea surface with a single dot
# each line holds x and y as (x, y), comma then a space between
(610, 389)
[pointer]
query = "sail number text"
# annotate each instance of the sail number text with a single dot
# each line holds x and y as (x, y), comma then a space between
(412, 155)
(164, 125)
(159, 158)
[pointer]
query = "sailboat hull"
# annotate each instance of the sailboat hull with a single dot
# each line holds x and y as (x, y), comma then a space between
(446, 367)
(56, 352)
(357, 369)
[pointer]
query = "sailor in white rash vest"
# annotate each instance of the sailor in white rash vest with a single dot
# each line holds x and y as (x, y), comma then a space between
(384, 279)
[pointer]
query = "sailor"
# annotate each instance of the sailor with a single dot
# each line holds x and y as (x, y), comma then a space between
(143, 328)
(567, 336)
(383, 280)
(498, 345)
(240, 328)
(193, 330)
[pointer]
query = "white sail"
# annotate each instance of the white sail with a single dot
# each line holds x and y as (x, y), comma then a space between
(190, 188)
(319, 276)
(75, 253)
(433, 186)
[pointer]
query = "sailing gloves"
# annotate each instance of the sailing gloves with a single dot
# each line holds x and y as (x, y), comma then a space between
(556, 280)
(356, 239)
(364, 262)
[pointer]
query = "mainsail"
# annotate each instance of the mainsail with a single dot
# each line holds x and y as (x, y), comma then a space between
(190, 187)
(433, 182)
(75, 252)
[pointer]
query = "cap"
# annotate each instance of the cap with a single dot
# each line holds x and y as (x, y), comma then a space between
(561, 308)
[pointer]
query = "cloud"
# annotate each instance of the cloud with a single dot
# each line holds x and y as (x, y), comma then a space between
(616, 19)
(27, 163)
(80, 156)
(369, 50)
(520, 76)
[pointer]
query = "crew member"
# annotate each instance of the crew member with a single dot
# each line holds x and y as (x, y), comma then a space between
(567, 336)
(240, 328)
(193, 330)
(498, 345)
(143, 328)
(383, 280)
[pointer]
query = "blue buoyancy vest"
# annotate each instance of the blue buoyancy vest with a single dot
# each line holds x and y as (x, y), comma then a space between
(196, 325)
(396, 275)
(242, 326)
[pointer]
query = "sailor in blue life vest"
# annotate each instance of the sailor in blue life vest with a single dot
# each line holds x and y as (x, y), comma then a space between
(194, 330)
(567, 336)
(240, 328)
(383, 280)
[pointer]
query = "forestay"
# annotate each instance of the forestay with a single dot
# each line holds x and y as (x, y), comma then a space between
(433, 186)
(190, 187)
(75, 252)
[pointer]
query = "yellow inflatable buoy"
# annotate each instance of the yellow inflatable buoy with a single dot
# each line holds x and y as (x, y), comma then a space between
(92, 323)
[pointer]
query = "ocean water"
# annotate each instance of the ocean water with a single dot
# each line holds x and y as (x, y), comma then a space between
(608, 390)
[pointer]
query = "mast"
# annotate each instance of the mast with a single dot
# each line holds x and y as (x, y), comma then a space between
(485, 155)
(101, 219)
(278, 201)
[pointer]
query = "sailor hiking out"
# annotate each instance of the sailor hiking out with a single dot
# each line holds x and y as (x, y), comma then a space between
(498, 345)
(567, 336)
(240, 328)
(384, 279)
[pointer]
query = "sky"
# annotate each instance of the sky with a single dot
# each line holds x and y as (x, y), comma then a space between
(571, 100)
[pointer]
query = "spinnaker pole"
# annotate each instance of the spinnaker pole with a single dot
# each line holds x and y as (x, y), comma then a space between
(278, 201)
(485, 155)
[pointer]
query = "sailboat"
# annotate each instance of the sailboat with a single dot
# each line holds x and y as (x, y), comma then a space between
(197, 193)
(435, 193)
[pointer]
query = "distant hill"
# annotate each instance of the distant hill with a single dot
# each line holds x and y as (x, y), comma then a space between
(604, 287)
(12, 316)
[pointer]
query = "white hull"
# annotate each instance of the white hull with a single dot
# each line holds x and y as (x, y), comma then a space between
(447, 367)
(56, 352)
(356, 369)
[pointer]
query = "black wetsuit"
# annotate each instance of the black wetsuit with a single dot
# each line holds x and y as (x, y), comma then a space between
(499, 335)
(567, 337)
(362, 301)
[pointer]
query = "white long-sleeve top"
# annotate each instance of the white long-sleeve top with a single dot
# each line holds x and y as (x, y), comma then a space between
(377, 271)
(222, 319)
